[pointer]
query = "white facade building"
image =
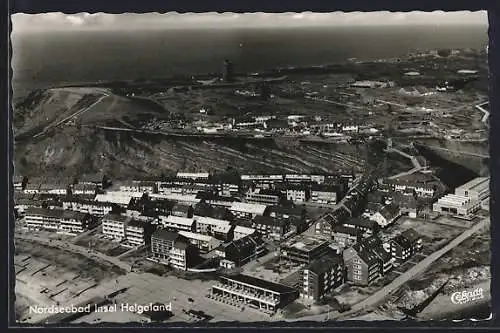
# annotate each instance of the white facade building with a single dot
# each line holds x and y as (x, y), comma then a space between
(178, 223)
(457, 205)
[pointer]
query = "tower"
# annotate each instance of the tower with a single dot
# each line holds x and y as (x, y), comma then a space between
(227, 74)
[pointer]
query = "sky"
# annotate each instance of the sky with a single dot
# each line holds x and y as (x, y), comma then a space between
(173, 20)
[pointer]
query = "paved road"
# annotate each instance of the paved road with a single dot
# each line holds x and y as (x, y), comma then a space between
(459, 152)
(77, 113)
(402, 279)
(67, 245)
(486, 112)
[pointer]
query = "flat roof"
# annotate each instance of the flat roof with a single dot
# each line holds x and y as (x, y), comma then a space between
(196, 236)
(248, 208)
(177, 220)
(244, 230)
(478, 184)
(305, 243)
(264, 284)
(212, 221)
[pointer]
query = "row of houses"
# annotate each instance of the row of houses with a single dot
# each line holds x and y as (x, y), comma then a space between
(58, 220)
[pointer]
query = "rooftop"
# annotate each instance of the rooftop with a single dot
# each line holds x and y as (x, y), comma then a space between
(325, 263)
(196, 236)
(256, 282)
(116, 218)
(177, 220)
(248, 208)
(305, 243)
(478, 184)
(165, 234)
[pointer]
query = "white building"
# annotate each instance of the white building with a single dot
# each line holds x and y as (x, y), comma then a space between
(297, 194)
(387, 215)
(117, 197)
(137, 186)
(114, 226)
(90, 207)
(477, 189)
(241, 231)
(242, 209)
(212, 227)
(178, 223)
(193, 176)
(135, 233)
(457, 205)
(203, 242)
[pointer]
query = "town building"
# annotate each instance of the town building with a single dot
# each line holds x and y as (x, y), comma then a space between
(345, 236)
(297, 193)
(287, 212)
(137, 233)
(262, 179)
(138, 186)
(277, 229)
(219, 229)
(177, 223)
(264, 196)
(32, 188)
(304, 249)
(387, 215)
(172, 249)
(248, 291)
(325, 225)
(362, 268)
(19, 183)
(204, 243)
(457, 205)
(424, 185)
(240, 251)
(182, 210)
(374, 245)
(89, 206)
(193, 175)
(58, 220)
(405, 245)
(366, 226)
(74, 223)
(477, 189)
(41, 218)
(118, 198)
(242, 231)
(114, 226)
(247, 210)
(84, 189)
(324, 194)
(322, 276)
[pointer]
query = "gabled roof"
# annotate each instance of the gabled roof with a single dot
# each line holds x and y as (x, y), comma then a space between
(325, 263)
(266, 220)
(286, 210)
(165, 235)
(390, 211)
(411, 235)
(341, 229)
(362, 222)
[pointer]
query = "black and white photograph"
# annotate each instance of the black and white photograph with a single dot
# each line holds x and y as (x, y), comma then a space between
(205, 168)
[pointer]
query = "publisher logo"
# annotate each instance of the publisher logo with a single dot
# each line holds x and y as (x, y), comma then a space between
(467, 296)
